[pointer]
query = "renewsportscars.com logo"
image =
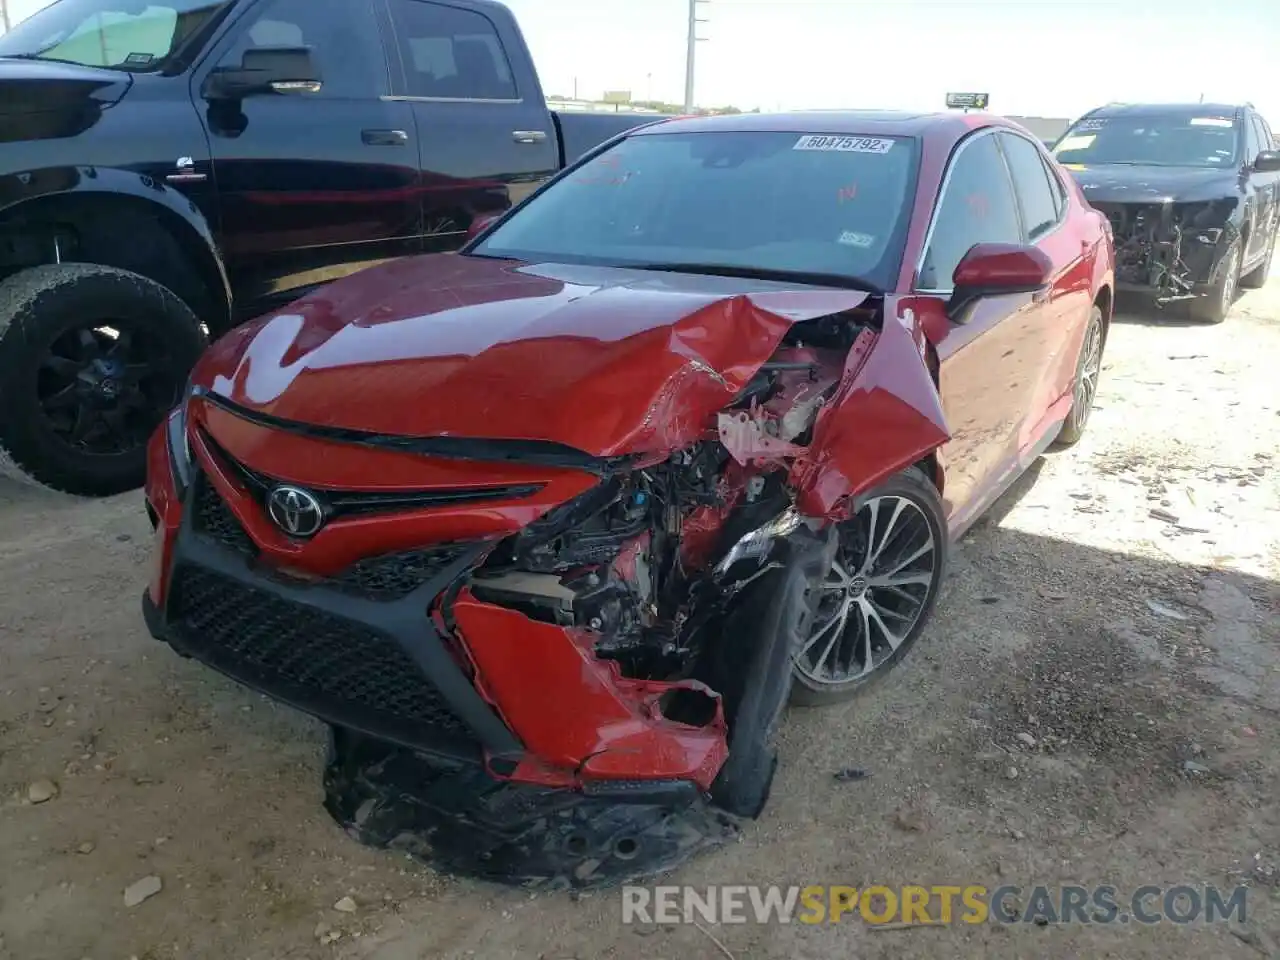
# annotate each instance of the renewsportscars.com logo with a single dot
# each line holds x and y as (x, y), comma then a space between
(934, 905)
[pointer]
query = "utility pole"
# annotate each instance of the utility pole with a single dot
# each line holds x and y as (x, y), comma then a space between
(690, 57)
(4, 14)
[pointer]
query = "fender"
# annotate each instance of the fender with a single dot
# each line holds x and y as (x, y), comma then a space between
(21, 192)
(885, 417)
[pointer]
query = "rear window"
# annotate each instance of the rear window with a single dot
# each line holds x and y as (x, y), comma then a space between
(767, 200)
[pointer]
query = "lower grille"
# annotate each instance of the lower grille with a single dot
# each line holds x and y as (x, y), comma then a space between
(299, 654)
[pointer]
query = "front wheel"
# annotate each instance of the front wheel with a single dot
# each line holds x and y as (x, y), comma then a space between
(1084, 389)
(1257, 277)
(91, 360)
(879, 593)
(1216, 302)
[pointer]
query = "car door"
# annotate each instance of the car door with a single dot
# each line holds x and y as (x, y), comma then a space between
(1266, 187)
(986, 380)
(486, 138)
(1055, 327)
(311, 185)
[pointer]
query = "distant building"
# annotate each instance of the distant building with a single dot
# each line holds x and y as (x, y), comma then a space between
(1047, 129)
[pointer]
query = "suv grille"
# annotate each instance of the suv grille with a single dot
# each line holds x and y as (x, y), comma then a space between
(297, 652)
(213, 518)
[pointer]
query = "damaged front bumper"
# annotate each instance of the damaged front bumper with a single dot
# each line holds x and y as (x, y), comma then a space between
(1170, 251)
(420, 760)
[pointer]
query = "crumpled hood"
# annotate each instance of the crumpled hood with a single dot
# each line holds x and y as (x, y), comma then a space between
(1122, 183)
(604, 360)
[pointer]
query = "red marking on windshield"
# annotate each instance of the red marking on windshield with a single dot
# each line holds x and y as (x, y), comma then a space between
(845, 194)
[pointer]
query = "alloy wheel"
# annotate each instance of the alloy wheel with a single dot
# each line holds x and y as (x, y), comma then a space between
(874, 595)
(103, 388)
(1087, 380)
(1232, 268)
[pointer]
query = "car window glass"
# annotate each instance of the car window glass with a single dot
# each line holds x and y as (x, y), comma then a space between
(1268, 138)
(1263, 135)
(343, 38)
(451, 54)
(1252, 142)
(977, 206)
(1039, 211)
(1055, 183)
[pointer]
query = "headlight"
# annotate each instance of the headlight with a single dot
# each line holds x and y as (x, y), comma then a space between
(755, 545)
(179, 445)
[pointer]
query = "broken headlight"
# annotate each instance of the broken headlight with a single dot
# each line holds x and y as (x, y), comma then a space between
(755, 544)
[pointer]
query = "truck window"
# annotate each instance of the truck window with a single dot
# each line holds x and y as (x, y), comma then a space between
(451, 54)
(343, 38)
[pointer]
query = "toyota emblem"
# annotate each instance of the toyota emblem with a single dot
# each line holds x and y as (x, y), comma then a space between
(295, 511)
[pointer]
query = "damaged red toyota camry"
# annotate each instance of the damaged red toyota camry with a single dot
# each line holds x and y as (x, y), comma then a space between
(548, 532)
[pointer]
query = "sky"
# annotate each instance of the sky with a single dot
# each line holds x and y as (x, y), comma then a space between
(1053, 58)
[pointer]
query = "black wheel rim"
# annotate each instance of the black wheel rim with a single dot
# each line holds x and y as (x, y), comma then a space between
(1086, 390)
(875, 594)
(104, 387)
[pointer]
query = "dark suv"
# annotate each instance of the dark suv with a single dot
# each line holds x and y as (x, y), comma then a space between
(1192, 192)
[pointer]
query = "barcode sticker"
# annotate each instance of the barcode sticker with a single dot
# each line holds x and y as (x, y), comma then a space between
(817, 141)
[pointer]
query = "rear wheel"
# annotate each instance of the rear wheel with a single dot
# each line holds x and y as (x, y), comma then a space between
(91, 360)
(1216, 302)
(879, 594)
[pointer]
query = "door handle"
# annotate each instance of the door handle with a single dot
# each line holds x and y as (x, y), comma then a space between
(528, 136)
(384, 138)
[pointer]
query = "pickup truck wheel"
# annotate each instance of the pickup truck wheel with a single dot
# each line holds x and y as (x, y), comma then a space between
(1216, 302)
(1257, 277)
(91, 360)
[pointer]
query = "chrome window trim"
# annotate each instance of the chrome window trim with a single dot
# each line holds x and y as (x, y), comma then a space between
(402, 98)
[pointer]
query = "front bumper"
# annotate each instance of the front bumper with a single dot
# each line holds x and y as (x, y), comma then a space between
(378, 666)
(1169, 251)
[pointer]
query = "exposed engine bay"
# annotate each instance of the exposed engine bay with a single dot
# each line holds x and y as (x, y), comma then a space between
(1168, 247)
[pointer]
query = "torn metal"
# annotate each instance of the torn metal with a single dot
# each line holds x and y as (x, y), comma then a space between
(1170, 248)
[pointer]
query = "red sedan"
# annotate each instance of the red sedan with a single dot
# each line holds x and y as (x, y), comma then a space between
(562, 522)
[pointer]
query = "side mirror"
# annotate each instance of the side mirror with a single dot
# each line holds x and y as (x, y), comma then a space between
(1268, 162)
(481, 223)
(994, 269)
(265, 70)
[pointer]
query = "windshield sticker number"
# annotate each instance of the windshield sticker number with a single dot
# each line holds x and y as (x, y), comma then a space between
(1086, 125)
(851, 239)
(816, 141)
(1076, 143)
(1210, 122)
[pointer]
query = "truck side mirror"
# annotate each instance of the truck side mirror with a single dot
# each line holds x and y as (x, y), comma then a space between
(287, 70)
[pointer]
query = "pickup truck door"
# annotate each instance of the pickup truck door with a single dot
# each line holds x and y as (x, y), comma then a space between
(310, 185)
(485, 136)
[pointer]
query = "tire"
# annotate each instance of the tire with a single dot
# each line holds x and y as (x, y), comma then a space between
(91, 360)
(1257, 277)
(1214, 305)
(812, 684)
(1084, 388)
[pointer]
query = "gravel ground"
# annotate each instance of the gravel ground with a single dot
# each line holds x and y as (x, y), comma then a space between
(1118, 611)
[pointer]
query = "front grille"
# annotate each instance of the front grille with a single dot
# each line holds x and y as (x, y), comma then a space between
(395, 575)
(299, 653)
(211, 517)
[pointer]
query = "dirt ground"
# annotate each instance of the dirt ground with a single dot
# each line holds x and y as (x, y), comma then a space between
(1120, 610)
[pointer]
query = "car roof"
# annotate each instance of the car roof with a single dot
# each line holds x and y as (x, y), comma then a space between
(1174, 110)
(951, 125)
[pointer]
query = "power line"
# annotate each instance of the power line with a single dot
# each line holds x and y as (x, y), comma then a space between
(690, 57)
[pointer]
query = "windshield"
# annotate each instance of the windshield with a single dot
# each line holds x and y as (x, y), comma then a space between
(1159, 141)
(768, 202)
(121, 34)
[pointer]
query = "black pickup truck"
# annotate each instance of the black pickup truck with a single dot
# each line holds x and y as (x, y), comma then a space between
(169, 168)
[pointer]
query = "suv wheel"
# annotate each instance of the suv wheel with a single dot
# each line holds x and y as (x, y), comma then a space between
(1214, 305)
(1257, 277)
(91, 360)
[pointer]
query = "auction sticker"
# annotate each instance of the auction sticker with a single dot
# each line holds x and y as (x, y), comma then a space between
(851, 239)
(818, 141)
